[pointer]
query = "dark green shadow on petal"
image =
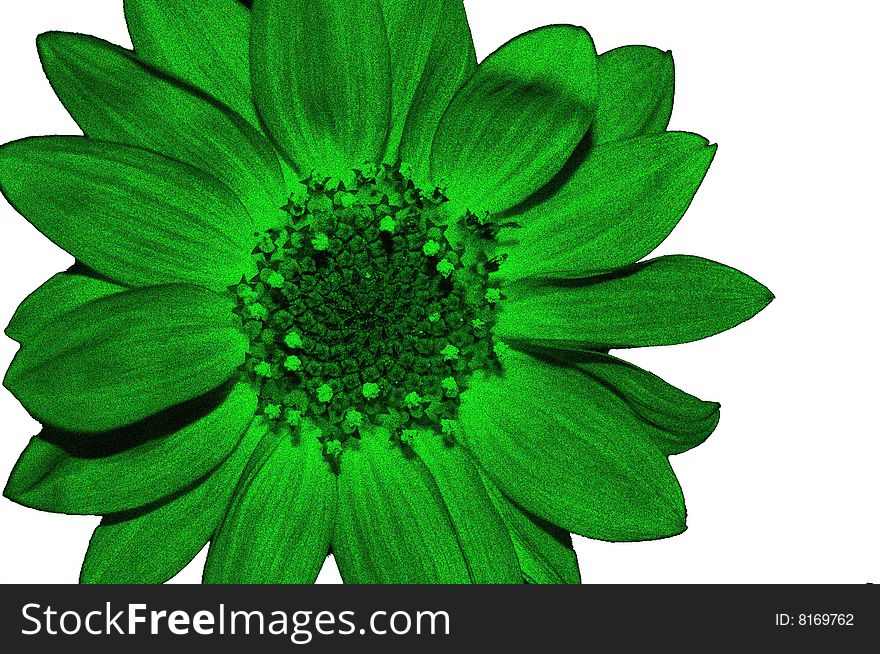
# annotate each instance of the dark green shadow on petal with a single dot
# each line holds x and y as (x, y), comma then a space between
(154, 543)
(109, 472)
(515, 123)
(124, 357)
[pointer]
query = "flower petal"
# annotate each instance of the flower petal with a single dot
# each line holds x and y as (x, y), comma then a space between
(58, 295)
(392, 525)
(322, 80)
(636, 87)
(482, 534)
(132, 215)
(681, 420)
(132, 467)
(668, 300)
(545, 553)
(411, 26)
(618, 205)
(279, 523)
(512, 127)
(122, 358)
(566, 449)
(153, 544)
(113, 97)
(203, 42)
(420, 99)
(675, 421)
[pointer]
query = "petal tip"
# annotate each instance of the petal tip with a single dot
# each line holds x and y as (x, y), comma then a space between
(52, 42)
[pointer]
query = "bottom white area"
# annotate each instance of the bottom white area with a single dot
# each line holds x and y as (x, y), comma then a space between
(192, 574)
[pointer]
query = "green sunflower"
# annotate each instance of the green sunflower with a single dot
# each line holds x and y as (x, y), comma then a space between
(340, 289)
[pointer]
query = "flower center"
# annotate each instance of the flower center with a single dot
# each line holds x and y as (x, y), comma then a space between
(366, 310)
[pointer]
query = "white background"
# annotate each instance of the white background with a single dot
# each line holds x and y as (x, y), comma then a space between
(786, 489)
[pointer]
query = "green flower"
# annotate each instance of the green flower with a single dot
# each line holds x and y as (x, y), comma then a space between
(340, 288)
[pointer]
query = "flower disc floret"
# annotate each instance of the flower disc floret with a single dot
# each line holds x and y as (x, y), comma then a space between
(361, 312)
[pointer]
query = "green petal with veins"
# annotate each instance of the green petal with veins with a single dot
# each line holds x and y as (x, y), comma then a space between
(615, 208)
(544, 551)
(392, 525)
(152, 544)
(334, 113)
(279, 523)
(421, 100)
(59, 294)
(122, 470)
(636, 88)
(664, 301)
(203, 42)
(132, 215)
(482, 534)
(114, 97)
(514, 124)
(122, 358)
(571, 452)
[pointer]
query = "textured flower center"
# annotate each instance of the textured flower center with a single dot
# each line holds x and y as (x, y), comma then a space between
(366, 311)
